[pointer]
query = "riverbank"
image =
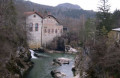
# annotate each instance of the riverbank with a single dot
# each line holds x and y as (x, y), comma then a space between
(44, 50)
(20, 63)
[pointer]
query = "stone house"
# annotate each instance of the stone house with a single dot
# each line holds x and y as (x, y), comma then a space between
(51, 29)
(42, 30)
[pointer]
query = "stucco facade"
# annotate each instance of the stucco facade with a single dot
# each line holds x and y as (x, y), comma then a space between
(34, 25)
(42, 30)
(51, 29)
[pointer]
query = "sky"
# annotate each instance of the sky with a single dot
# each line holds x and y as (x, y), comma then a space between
(85, 4)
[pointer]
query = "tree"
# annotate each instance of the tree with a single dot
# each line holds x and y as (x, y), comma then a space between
(12, 35)
(103, 31)
(116, 18)
(104, 16)
(90, 29)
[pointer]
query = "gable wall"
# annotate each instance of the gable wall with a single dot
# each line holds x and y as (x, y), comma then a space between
(35, 36)
(50, 24)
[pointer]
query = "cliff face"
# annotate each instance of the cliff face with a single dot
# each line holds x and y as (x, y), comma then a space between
(81, 64)
(14, 60)
(18, 64)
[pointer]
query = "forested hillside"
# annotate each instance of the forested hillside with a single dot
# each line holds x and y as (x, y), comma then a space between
(62, 9)
(69, 6)
(72, 16)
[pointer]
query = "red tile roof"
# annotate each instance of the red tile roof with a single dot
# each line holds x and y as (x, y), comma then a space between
(30, 13)
(38, 13)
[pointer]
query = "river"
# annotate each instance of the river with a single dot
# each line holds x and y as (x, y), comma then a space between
(43, 66)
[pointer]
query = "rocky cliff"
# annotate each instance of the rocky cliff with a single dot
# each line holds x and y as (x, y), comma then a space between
(18, 64)
(81, 64)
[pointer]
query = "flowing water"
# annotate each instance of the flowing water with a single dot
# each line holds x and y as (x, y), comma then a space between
(43, 66)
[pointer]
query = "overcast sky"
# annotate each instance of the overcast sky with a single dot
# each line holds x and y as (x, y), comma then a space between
(85, 4)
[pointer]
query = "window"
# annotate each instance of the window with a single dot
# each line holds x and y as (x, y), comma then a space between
(45, 30)
(48, 30)
(31, 27)
(56, 31)
(36, 27)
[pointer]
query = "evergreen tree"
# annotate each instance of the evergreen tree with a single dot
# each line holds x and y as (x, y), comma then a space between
(90, 29)
(104, 31)
(104, 16)
(116, 18)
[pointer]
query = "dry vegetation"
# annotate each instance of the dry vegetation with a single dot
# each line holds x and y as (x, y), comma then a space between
(105, 59)
(12, 34)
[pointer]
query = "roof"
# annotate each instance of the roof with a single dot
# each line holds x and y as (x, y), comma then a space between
(38, 13)
(116, 29)
(30, 13)
(53, 17)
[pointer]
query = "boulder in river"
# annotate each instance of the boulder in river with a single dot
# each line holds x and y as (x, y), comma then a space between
(40, 55)
(36, 55)
(57, 74)
(69, 49)
(60, 61)
(56, 62)
(64, 60)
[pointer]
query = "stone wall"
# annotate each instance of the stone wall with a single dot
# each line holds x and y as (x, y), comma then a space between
(51, 29)
(48, 29)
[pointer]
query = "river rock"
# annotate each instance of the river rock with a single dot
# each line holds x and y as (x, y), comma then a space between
(57, 74)
(64, 60)
(60, 61)
(74, 70)
(69, 49)
(40, 55)
(56, 62)
(36, 55)
(40, 50)
(19, 63)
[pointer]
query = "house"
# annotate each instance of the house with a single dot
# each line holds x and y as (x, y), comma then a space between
(42, 30)
(116, 34)
(51, 29)
(34, 24)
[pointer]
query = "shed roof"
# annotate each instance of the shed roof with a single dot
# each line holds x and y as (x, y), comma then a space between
(116, 29)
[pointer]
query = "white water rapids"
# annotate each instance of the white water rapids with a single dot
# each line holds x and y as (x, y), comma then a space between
(32, 54)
